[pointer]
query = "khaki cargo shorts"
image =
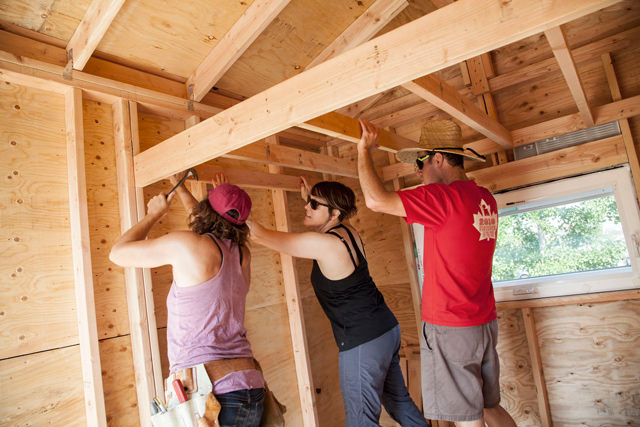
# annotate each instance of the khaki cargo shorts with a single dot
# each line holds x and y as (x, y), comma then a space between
(460, 371)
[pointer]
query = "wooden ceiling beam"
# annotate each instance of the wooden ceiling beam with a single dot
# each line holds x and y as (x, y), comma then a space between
(418, 48)
(249, 178)
(348, 129)
(234, 43)
(362, 29)
(437, 92)
(91, 30)
(618, 110)
(558, 42)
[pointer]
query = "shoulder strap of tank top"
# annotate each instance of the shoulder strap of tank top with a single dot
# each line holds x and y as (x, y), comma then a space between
(218, 245)
(353, 241)
(333, 233)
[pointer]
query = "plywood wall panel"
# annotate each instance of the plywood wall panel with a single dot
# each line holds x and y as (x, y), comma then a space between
(118, 379)
(104, 219)
(517, 389)
(42, 389)
(591, 362)
(38, 305)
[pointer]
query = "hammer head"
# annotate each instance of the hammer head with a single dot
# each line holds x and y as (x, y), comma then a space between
(193, 173)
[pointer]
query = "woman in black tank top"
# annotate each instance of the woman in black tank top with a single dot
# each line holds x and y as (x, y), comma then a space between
(365, 330)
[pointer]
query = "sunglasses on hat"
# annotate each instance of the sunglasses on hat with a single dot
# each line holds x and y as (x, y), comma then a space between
(314, 203)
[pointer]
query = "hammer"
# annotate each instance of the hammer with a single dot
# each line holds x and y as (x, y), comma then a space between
(190, 172)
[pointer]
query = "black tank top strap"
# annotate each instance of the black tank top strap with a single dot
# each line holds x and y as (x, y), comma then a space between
(218, 245)
(353, 241)
(333, 233)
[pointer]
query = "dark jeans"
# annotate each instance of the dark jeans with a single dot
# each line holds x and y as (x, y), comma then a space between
(241, 408)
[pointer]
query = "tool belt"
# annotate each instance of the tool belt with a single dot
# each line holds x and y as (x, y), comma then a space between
(201, 408)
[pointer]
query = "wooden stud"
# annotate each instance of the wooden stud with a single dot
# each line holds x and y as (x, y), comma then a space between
(147, 280)
(557, 40)
(436, 91)
(234, 43)
(198, 188)
(536, 367)
(385, 62)
(294, 308)
(82, 270)
(91, 29)
(376, 17)
(627, 136)
(134, 280)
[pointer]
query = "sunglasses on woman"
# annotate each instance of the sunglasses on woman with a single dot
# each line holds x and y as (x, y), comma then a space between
(314, 203)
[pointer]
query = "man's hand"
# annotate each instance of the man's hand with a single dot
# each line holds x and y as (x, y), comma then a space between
(369, 135)
(159, 204)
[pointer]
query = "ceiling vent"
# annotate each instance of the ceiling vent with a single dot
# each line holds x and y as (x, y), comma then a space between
(567, 140)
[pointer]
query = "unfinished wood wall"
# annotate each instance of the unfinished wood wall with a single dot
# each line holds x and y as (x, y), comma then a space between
(40, 366)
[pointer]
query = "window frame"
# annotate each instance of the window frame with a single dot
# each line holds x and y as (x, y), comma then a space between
(618, 179)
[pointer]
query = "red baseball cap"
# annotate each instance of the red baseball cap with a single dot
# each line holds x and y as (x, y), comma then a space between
(226, 198)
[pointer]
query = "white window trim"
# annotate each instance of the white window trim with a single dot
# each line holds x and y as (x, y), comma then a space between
(619, 180)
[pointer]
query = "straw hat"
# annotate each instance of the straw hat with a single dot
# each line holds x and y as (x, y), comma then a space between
(443, 136)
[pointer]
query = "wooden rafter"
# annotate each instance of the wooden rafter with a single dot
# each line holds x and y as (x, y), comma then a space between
(622, 109)
(244, 32)
(558, 42)
(436, 91)
(81, 249)
(364, 28)
(90, 31)
(390, 60)
(627, 136)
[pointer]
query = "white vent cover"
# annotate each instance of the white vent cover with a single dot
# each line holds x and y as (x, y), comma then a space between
(567, 140)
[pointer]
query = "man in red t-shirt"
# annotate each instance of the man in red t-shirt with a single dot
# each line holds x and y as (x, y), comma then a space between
(460, 366)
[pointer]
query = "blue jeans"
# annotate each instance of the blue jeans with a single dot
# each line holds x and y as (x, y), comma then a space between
(370, 375)
(241, 408)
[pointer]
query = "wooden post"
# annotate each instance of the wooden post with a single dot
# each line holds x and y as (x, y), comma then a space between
(294, 308)
(536, 367)
(627, 137)
(134, 279)
(147, 280)
(82, 271)
(198, 188)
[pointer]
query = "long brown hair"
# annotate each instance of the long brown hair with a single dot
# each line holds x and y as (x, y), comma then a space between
(338, 196)
(203, 219)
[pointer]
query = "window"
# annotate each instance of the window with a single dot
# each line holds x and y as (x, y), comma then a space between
(573, 236)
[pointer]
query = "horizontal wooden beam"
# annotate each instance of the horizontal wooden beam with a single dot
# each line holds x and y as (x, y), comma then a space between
(618, 110)
(281, 155)
(600, 297)
(90, 31)
(348, 129)
(249, 178)
(232, 45)
(437, 92)
(558, 42)
(392, 59)
(562, 163)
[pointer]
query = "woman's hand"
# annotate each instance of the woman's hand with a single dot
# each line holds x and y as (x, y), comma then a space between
(159, 205)
(220, 178)
(369, 135)
(304, 188)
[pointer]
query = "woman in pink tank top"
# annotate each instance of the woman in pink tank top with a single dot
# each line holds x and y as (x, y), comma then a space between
(206, 302)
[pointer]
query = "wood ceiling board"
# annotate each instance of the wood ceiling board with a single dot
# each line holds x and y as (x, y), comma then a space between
(57, 18)
(174, 37)
(301, 31)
